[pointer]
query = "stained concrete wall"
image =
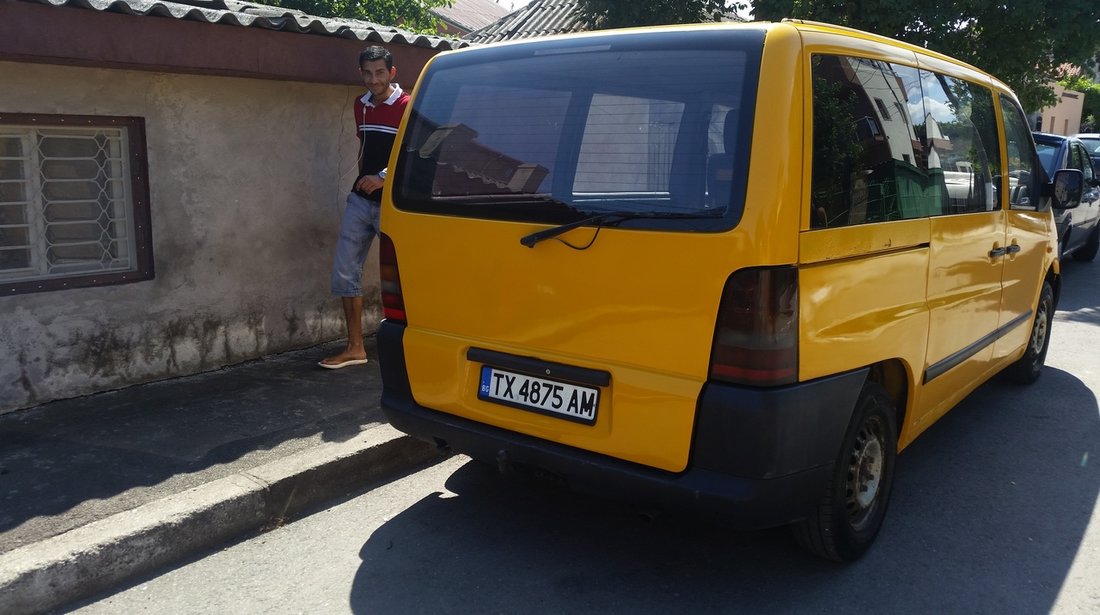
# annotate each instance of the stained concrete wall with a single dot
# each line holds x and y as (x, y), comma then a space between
(247, 185)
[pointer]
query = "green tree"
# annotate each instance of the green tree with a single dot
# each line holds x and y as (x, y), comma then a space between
(1090, 114)
(602, 14)
(413, 15)
(1024, 43)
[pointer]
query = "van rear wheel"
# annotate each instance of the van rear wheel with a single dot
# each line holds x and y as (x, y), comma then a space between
(851, 510)
(1028, 367)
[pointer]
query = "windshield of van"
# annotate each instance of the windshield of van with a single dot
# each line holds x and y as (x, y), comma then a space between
(561, 130)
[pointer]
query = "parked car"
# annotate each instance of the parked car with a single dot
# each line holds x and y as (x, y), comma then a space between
(727, 292)
(1092, 145)
(1078, 228)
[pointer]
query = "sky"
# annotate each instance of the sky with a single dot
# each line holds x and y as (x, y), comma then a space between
(512, 5)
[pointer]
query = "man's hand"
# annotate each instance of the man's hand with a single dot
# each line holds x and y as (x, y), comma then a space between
(369, 183)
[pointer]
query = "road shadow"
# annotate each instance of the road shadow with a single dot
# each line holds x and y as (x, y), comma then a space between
(989, 510)
(1080, 298)
(69, 462)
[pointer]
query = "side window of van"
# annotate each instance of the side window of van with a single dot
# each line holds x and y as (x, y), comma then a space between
(1023, 165)
(891, 142)
(960, 138)
(853, 177)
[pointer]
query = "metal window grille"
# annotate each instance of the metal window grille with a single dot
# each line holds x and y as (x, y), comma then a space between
(66, 202)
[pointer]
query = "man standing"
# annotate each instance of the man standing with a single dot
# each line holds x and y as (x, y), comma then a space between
(377, 116)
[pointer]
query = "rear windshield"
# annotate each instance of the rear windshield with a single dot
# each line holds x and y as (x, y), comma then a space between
(558, 130)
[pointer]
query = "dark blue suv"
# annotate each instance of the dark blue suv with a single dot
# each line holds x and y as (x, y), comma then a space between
(1078, 228)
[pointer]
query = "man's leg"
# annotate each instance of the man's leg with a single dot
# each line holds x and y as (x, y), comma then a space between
(357, 231)
(353, 321)
(353, 318)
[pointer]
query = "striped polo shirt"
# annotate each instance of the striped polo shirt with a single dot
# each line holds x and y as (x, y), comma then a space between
(377, 127)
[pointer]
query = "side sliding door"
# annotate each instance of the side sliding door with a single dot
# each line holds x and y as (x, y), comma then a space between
(1028, 241)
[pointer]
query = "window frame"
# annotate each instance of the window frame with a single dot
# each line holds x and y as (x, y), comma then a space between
(142, 263)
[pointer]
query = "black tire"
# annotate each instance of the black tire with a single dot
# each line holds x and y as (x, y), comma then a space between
(1027, 368)
(1087, 252)
(852, 509)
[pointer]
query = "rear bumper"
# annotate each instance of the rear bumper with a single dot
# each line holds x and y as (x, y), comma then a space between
(760, 458)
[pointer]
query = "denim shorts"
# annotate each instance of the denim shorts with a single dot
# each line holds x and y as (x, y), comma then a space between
(357, 231)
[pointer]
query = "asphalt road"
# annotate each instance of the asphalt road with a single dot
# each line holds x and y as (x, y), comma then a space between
(995, 510)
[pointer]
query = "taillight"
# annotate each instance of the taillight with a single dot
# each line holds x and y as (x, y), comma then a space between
(393, 302)
(756, 337)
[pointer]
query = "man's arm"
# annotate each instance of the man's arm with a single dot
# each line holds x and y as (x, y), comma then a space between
(369, 183)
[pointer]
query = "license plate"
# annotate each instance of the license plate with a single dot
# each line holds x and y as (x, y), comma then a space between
(560, 399)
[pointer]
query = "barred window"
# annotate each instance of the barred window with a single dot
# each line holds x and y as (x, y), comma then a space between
(73, 202)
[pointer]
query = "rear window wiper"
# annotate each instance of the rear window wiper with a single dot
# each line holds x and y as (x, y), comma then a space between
(614, 217)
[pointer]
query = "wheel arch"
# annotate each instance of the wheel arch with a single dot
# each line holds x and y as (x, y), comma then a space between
(892, 375)
(1055, 280)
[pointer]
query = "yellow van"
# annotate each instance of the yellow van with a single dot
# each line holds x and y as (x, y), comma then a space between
(733, 266)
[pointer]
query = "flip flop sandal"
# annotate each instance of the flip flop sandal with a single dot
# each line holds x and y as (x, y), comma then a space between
(342, 364)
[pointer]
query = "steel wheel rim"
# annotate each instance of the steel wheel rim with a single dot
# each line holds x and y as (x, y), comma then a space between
(865, 472)
(1039, 334)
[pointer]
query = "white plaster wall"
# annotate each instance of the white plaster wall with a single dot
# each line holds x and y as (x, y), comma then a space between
(247, 186)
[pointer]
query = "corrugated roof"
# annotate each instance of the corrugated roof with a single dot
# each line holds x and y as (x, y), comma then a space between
(470, 15)
(539, 18)
(248, 14)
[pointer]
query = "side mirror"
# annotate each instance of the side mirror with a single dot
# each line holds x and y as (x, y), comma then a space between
(1067, 187)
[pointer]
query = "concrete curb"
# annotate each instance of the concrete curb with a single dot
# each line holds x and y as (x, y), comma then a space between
(93, 558)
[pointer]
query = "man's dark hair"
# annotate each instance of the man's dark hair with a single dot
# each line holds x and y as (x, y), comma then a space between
(377, 52)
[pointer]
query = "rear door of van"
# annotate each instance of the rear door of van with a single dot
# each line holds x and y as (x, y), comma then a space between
(575, 205)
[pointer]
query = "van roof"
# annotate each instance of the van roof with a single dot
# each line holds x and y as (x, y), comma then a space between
(819, 26)
(800, 25)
